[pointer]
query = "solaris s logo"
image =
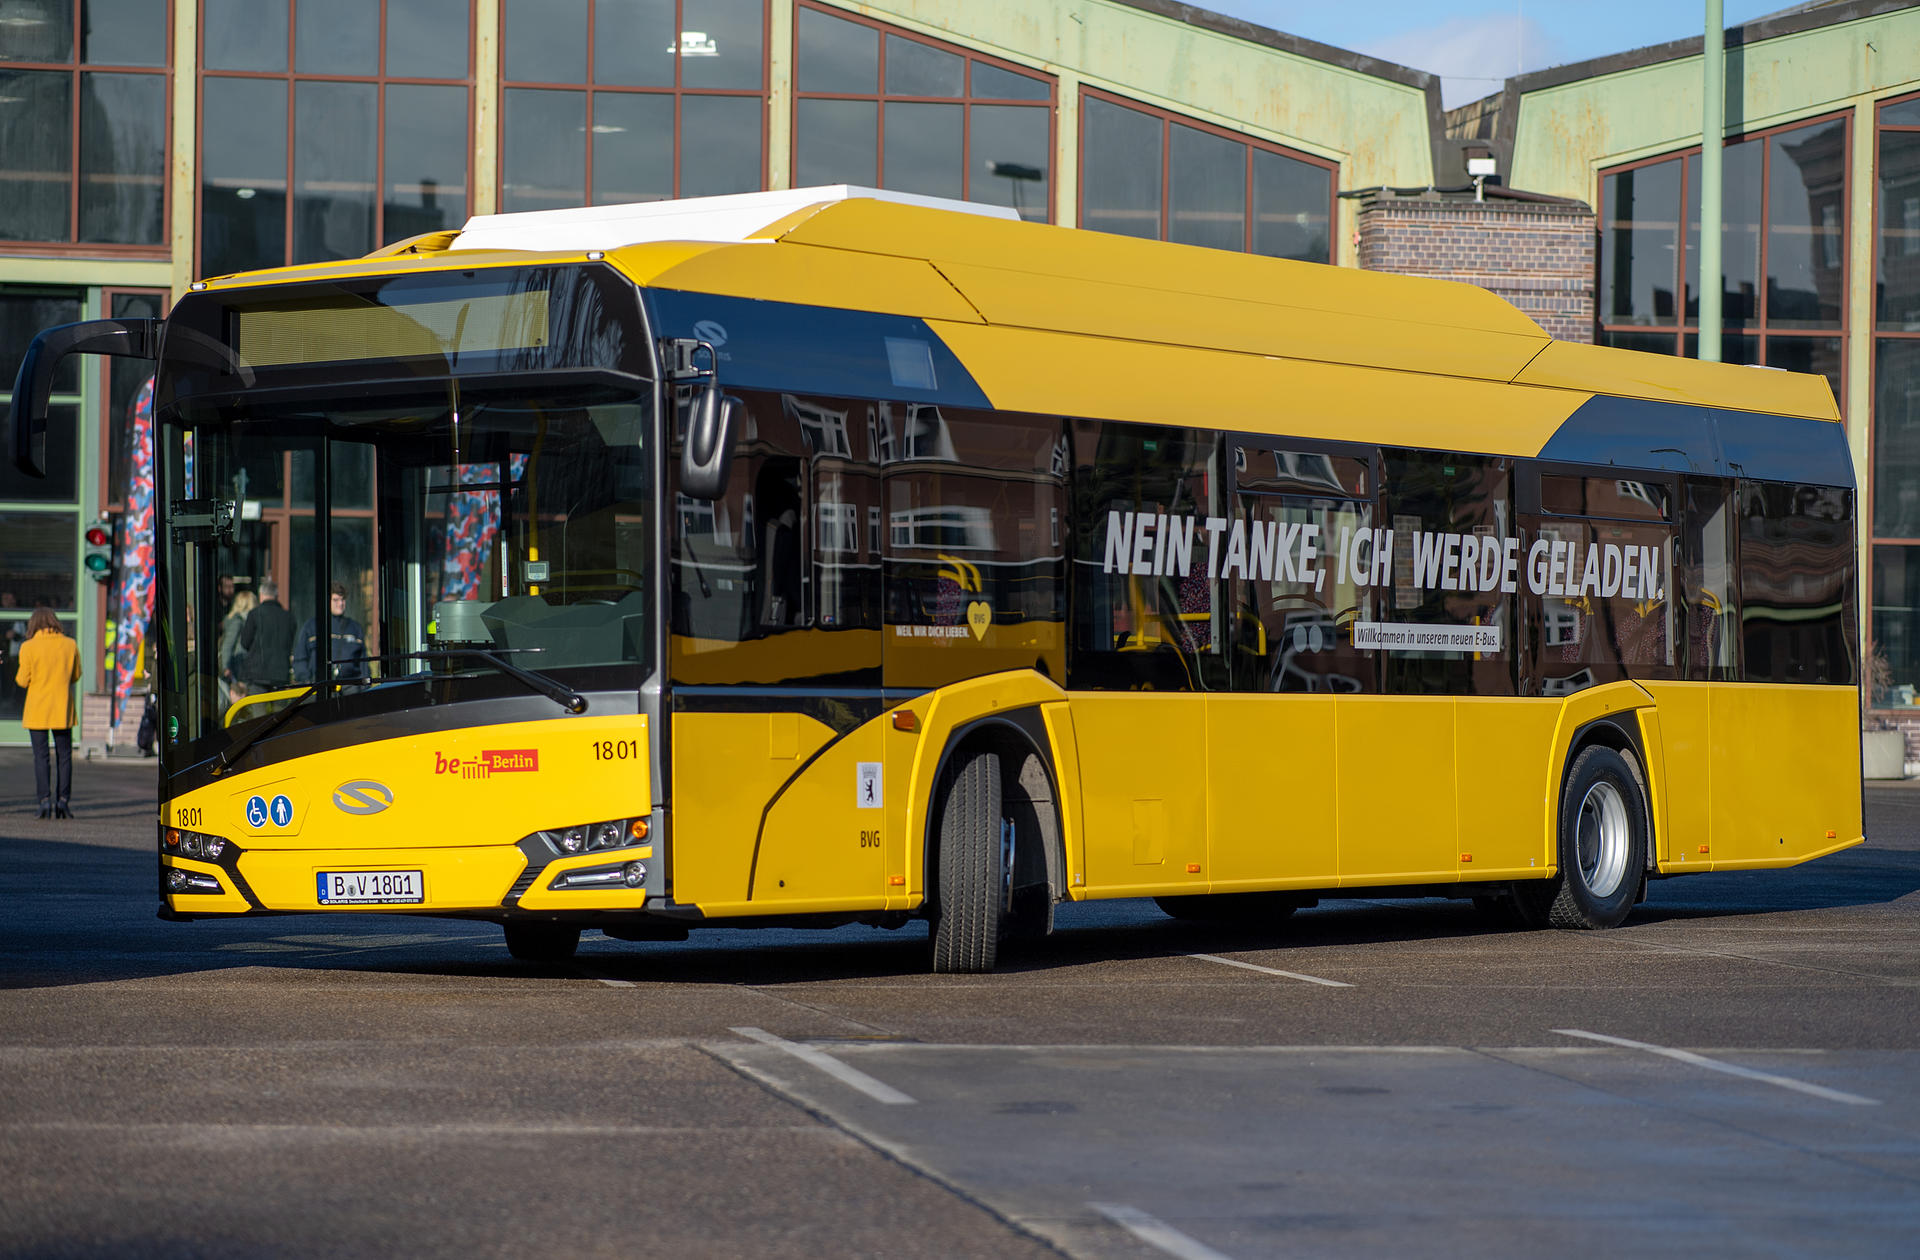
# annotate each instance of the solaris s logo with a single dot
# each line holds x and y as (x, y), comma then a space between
(362, 796)
(712, 332)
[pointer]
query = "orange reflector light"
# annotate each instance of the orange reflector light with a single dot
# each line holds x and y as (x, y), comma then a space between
(173, 839)
(639, 829)
(1703, 848)
(906, 720)
(1833, 835)
(1466, 857)
(897, 881)
(1193, 868)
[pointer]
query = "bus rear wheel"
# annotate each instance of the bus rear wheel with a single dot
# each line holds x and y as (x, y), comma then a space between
(542, 942)
(974, 872)
(1603, 838)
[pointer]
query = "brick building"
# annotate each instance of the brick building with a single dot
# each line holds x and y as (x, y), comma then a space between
(1536, 252)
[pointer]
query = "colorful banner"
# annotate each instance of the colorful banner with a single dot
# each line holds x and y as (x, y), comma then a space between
(134, 608)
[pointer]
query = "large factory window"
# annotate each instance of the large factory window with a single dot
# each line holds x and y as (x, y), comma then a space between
(1783, 250)
(83, 124)
(1147, 172)
(330, 127)
(878, 106)
(615, 101)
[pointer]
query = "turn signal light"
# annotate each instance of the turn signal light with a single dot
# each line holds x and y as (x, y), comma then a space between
(1193, 868)
(639, 829)
(906, 720)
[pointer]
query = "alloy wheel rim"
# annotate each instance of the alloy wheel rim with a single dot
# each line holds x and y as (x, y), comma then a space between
(1603, 837)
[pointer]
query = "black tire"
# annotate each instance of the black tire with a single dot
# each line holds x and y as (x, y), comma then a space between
(1602, 846)
(1027, 802)
(1256, 909)
(542, 942)
(972, 879)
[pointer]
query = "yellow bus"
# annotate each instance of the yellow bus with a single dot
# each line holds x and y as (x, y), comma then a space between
(834, 556)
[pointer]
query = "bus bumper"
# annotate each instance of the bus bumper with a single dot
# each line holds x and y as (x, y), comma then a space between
(492, 881)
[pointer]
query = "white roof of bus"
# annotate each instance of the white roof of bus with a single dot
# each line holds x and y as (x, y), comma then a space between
(734, 218)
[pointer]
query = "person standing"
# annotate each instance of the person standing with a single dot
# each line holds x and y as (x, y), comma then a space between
(348, 650)
(243, 603)
(265, 646)
(49, 666)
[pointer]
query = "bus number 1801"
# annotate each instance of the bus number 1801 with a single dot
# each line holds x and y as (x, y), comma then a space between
(616, 750)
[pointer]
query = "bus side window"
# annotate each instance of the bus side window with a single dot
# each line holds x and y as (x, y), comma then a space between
(1441, 508)
(1796, 567)
(778, 562)
(1147, 613)
(1709, 603)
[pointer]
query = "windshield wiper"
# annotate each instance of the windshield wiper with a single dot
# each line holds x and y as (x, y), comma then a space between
(561, 694)
(272, 724)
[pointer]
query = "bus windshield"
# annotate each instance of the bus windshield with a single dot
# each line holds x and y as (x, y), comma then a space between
(392, 552)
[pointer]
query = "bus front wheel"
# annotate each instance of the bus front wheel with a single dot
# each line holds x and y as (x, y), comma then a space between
(1603, 837)
(542, 942)
(973, 872)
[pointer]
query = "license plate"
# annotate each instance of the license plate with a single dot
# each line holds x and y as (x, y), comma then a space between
(372, 888)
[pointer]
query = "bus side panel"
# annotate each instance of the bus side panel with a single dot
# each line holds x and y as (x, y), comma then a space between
(1396, 790)
(822, 847)
(1502, 748)
(726, 767)
(1143, 780)
(1785, 784)
(1270, 800)
(1686, 755)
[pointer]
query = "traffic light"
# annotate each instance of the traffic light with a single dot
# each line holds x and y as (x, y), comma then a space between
(99, 557)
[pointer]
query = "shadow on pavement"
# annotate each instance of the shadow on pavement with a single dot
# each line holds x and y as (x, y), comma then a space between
(81, 899)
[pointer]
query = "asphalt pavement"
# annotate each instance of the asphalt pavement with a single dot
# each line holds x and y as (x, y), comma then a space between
(1731, 1073)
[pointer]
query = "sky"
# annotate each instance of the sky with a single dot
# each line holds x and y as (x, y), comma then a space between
(1475, 44)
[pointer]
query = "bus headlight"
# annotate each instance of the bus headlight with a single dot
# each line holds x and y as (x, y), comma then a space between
(614, 875)
(181, 882)
(192, 844)
(615, 833)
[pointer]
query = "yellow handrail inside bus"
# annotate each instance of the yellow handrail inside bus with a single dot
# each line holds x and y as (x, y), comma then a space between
(263, 697)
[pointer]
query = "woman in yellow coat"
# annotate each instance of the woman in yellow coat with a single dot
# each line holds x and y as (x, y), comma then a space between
(49, 666)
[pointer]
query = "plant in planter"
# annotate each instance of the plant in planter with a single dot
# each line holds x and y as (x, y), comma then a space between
(1883, 746)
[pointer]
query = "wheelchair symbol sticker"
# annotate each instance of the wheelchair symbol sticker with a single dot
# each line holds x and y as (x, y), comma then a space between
(256, 811)
(281, 811)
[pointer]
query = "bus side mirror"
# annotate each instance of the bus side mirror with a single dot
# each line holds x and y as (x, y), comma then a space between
(706, 456)
(27, 414)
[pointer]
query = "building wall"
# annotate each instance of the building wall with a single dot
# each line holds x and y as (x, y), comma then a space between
(1537, 256)
(1565, 133)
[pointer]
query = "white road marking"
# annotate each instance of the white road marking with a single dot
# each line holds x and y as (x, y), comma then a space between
(1715, 1065)
(1271, 971)
(1156, 1232)
(878, 1090)
(594, 973)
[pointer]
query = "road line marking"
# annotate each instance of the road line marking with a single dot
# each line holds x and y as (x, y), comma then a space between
(1271, 971)
(878, 1090)
(1715, 1065)
(1156, 1232)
